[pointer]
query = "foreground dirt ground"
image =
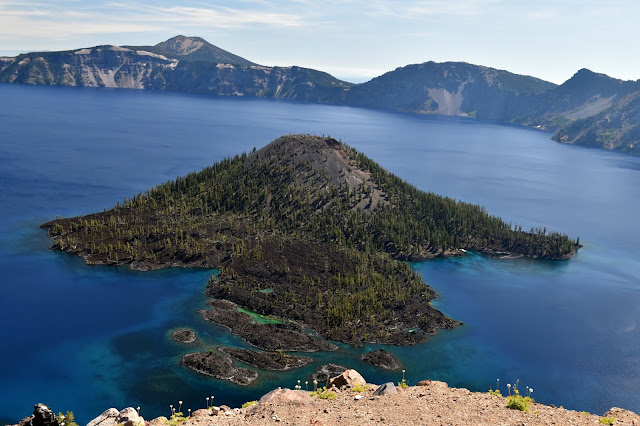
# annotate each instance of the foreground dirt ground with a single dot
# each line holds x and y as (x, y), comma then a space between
(432, 404)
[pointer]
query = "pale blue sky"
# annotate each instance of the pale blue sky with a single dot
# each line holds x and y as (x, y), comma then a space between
(352, 39)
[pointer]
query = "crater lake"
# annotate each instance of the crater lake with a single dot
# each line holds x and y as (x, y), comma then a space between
(86, 338)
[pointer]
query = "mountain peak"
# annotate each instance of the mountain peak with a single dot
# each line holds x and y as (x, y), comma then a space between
(585, 73)
(591, 83)
(192, 48)
(183, 45)
(327, 158)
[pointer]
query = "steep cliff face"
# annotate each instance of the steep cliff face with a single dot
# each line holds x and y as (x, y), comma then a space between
(272, 82)
(102, 66)
(186, 64)
(616, 127)
(584, 95)
(588, 109)
(5, 62)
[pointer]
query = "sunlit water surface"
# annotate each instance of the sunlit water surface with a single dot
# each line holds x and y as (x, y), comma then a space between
(87, 338)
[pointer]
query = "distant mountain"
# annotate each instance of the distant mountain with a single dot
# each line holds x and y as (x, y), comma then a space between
(583, 95)
(588, 109)
(186, 64)
(272, 82)
(100, 66)
(451, 88)
(195, 49)
(616, 127)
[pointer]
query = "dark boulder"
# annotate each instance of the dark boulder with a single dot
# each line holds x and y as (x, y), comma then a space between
(381, 359)
(42, 416)
(218, 366)
(274, 361)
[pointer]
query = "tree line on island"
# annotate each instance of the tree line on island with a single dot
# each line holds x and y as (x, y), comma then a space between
(308, 229)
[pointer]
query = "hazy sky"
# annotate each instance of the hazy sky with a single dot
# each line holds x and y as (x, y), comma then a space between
(352, 39)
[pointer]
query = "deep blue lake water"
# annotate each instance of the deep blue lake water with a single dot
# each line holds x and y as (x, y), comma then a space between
(86, 338)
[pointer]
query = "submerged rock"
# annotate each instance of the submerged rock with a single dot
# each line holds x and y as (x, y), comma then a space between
(382, 359)
(184, 335)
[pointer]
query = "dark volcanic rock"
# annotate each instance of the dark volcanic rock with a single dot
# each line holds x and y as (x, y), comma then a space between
(327, 371)
(274, 361)
(305, 229)
(271, 337)
(184, 335)
(218, 366)
(382, 359)
(42, 416)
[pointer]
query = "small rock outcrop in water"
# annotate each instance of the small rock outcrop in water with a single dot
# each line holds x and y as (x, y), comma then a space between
(218, 366)
(382, 359)
(274, 361)
(184, 335)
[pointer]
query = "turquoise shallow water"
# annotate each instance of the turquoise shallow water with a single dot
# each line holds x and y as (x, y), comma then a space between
(86, 338)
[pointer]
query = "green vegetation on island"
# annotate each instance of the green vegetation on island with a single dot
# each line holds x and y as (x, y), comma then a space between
(306, 229)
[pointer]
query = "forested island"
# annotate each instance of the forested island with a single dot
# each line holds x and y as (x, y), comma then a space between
(307, 230)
